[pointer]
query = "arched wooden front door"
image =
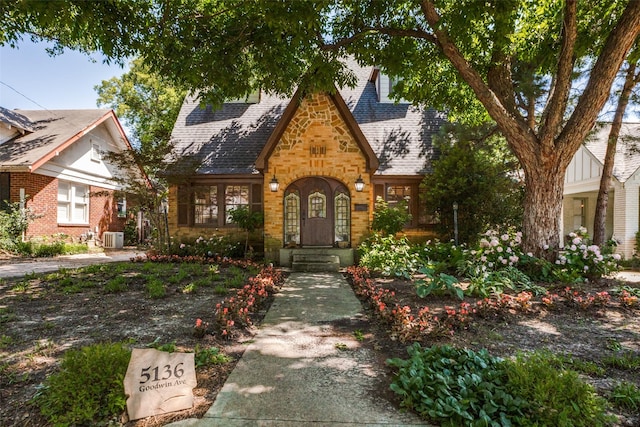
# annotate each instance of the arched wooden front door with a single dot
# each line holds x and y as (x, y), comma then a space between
(311, 218)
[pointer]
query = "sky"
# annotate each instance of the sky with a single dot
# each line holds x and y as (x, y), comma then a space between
(30, 79)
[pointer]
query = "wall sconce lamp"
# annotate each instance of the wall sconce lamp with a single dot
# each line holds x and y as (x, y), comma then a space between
(359, 184)
(274, 184)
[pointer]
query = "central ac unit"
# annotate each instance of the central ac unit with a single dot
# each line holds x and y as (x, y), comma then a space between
(113, 239)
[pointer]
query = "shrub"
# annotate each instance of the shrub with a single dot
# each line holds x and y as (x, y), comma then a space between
(557, 396)
(389, 255)
(215, 246)
(626, 395)
(457, 387)
(390, 220)
(580, 258)
(88, 388)
(461, 387)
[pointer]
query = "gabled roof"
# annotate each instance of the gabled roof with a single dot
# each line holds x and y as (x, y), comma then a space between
(229, 140)
(51, 132)
(627, 159)
(290, 111)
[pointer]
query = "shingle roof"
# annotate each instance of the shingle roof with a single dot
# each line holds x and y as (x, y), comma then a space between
(229, 140)
(15, 119)
(50, 130)
(627, 160)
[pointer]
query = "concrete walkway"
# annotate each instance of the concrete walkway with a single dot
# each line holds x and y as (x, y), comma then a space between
(303, 369)
(20, 267)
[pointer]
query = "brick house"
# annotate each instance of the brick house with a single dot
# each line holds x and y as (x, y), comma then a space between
(582, 182)
(54, 162)
(313, 164)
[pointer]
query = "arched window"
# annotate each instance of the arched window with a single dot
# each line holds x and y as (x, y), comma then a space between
(317, 205)
(342, 204)
(292, 219)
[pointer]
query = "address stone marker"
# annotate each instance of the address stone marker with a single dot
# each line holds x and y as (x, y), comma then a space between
(158, 382)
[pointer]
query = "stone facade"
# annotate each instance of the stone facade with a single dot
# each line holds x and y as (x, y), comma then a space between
(316, 142)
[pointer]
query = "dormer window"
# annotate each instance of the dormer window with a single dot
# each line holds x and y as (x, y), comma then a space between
(384, 88)
(252, 98)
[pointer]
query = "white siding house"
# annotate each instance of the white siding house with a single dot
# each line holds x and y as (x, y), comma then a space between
(582, 181)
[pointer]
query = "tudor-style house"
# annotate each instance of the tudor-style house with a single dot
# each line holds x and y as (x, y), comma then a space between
(314, 165)
(54, 163)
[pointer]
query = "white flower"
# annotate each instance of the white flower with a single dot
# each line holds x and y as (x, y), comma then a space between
(530, 254)
(504, 261)
(572, 235)
(573, 247)
(483, 258)
(577, 241)
(182, 245)
(499, 249)
(505, 237)
(545, 247)
(514, 259)
(617, 257)
(586, 267)
(494, 242)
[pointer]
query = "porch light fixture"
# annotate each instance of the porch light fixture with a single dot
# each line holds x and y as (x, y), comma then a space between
(359, 184)
(274, 184)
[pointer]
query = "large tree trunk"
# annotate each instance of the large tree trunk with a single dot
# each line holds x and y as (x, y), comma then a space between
(544, 182)
(599, 222)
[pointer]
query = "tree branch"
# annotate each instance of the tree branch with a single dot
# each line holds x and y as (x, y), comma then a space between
(512, 125)
(394, 32)
(553, 113)
(596, 93)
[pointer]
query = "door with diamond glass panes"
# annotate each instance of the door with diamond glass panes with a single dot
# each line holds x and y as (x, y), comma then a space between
(317, 213)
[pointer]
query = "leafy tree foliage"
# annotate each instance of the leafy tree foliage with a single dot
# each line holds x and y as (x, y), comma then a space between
(390, 219)
(148, 104)
(475, 170)
(517, 59)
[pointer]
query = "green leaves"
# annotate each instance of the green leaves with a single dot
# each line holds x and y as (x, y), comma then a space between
(462, 387)
(437, 284)
(458, 387)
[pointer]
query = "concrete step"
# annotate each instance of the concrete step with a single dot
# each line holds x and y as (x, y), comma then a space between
(313, 262)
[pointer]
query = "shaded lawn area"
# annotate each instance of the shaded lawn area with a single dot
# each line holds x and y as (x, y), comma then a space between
(141, 304)
(601, 341)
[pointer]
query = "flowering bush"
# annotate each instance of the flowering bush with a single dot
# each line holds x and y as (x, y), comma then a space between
(580, 258)
(389, 255)
(236, 311)
(215, 246)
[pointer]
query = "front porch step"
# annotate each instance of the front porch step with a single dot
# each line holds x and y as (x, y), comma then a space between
(315, 262)
(316, 259)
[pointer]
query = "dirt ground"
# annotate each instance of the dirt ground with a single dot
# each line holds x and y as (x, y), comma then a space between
(38, 323)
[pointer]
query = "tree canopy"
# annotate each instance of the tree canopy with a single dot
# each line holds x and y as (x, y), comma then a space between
(515, 60)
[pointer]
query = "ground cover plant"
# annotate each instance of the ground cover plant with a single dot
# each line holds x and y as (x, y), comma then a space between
(58, 328)
(557, 326)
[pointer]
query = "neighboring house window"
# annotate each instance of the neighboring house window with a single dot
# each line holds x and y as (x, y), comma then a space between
(5, 195)
(235, 196)
(96, 153)
(73, 203)
(317, 205)
(206, 205)
(292, 219)
(122, 207)
(342, 206)
(579, 213)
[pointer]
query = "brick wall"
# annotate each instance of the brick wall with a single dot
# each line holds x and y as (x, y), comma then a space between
(42, 193)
